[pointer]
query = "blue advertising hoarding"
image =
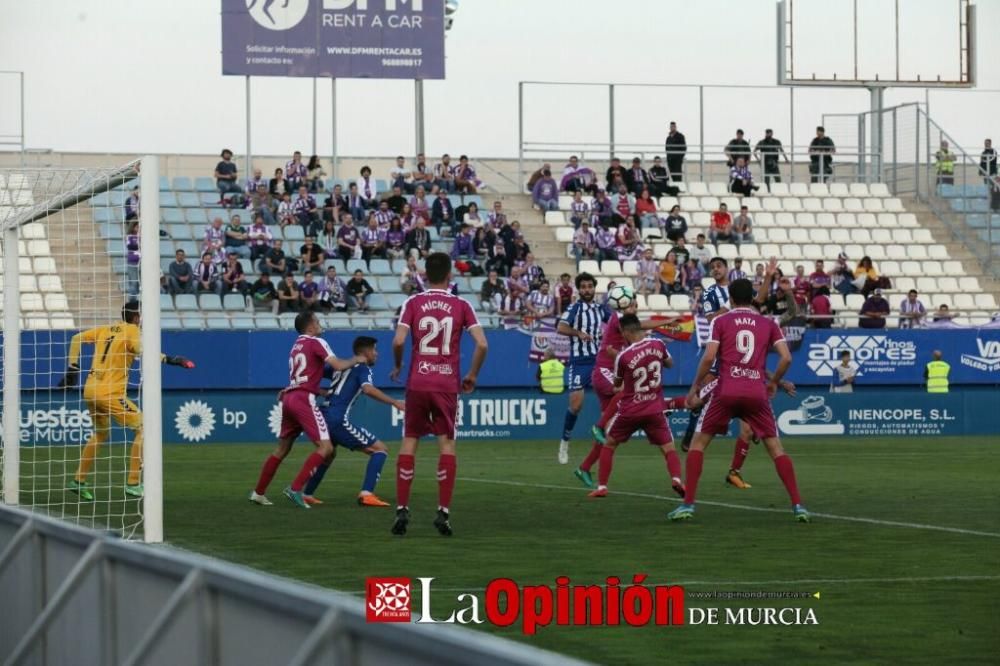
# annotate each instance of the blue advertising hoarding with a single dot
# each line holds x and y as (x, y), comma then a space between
(385, 39)
(494, 415)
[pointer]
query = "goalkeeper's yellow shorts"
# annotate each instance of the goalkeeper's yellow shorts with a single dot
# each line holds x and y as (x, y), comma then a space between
(105, 408)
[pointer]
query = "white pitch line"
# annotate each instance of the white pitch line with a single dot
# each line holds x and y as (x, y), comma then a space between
(722, 584)
(746, 507)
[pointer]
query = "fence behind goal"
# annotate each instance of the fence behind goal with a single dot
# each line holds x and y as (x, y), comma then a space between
(57, 280)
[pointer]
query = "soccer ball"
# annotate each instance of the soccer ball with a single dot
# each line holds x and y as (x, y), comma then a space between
(621, 296)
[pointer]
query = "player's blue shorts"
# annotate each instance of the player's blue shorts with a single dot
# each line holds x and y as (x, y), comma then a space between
(578, 374)
(351, 437)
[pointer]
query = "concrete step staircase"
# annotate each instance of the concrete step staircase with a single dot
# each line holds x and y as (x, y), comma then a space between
(549, 253)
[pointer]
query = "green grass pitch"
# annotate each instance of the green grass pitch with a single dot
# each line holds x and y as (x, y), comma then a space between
(905, 549)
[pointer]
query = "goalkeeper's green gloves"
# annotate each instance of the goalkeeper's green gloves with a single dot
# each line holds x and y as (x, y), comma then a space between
(71, 378)
(178, 360)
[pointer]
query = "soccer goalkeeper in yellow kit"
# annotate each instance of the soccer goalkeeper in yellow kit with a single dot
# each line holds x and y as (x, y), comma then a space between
(115, 349)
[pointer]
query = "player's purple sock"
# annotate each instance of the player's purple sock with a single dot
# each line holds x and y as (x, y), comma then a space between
(740, 454)
(607, 462)
(316, 479)
(374, 471)
(266, 474)
(592, 457)
(404, 478)
(610, 410)
(673, 464)
(568, 425)
(314, 460)
(695, 458)
(786, 471)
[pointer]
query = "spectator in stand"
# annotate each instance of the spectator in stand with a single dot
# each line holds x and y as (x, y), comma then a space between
(743, 226)
(601, 211)
(607, 243)
(482, 242)
(491, 287)
(236, 240)
(988, 161)
(629, 244)
(400, 176)
(328, 240)
(781, 303)
(333, 292)
(419, 205)
(691, 275)
(911, 311)
(721, 228)
(444, 177)
(372, 240)
(418, 240)
(274, 261)
(565, 293)
(545, 195)
(510, 307)
(821, 308)
(466, 181)
(579, 211)
(676, 224)
(384, 216)
(472, 217)
(645, 208)
(132, 205)
(865, 276)
(355, 202)
(943, 314)
(348, 239)
(132, 257)
(584, 243)
(263, 295)
(615, 176)
(498, 217)
(944, 162)
(407, 218)
(842, 277)
(226, 177)
(536, 175)
(681, 251)
(278, 185)
(296, 172)
(462, 247)
(288, 295)
(358, 291)
(315, 174)
(215, 237)
(670, 275)
(259, 202)
(701, 252)
(411, 280)
(741, 180)
(233, 279)
(286, 211)
(821, 151)
(572, 181)
(801, 287)
(498, 259)
(659, 180)
(422, 174)
(395, 240)
(637, 178)
(873, 311)
(207, 275)
(623, 205)
(818, 278)
(366, 189)
(254, 183)
(311, 255)
(768, 150)
(534, 273)
(517, 283)
(737, 272)
(309, 292)
(675, 147)
(737, 148)
(647, 280)
(520, 250)
(541, 304)
(306, 212)
(396, 200)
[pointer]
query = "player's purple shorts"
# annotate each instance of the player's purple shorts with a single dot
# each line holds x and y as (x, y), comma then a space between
(706, 391)
(603, 381)
(430, 413)
(754, 411)
(300, 414)
(622, 427)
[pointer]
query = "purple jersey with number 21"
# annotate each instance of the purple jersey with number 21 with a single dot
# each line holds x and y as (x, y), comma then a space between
(436, 319)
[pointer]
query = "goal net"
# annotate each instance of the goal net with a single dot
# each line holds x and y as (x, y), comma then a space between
(80, 247)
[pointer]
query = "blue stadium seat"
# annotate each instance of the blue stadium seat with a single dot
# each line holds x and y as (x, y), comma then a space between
(103, 214)
(476, 283)
(463, 285)
(234, 302)
(214, 323)
(168, 200)
(394, 301)
(170, 322)
(116, 198)
(383, 322)
(102, 199)
(112, 230)
(209, 199)
(433, 233)
(336, 263)
(389, 284)
(380, 267)
(294, 234)
(188, 200)
(378, 301)
(243, 322)
(286, 320)
(172, 215)
(340, 323)
(164, 184)
(168, 248)
(381, 185)
(356, 264)
(266, 322)
(166, 303)
(209, 302)
(183, 184)
(179, 232)
(205, 184)
(193, 321)
(196, 216)
(185, 303)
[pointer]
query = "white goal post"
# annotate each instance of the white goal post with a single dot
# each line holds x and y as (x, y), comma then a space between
(68, 266)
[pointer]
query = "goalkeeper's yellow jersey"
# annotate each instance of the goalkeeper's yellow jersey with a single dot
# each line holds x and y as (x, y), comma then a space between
(115, 350)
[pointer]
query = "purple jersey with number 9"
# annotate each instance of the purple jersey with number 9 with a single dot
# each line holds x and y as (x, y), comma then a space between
(436, 319)
(743, 337)
(306, 362)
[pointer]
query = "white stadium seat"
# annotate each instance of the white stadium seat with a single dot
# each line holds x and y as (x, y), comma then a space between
(819, 190)
(779, 190)
(888, 221)
(710, 203)
(879, 190)
(916, 251)
(764, 220)
(890, 268)
(932, 268)
(798, 235)
(555, 217)
(39, 248)
(948, 284)
(779, 234)
(832, 205)
(926, 285)
(50, 284)
(798, 189)
(854, 302)
(854, 251)
(805, 220)
(679, 303)
(718, 189)
(630, 268)
(772, 204)
(908, 220)
(904, 283)
(873, 205)
(922, 236)
(866, 220)
(852, 205)
(862, 236)
(784, 219)
(819, 235)
(826, 220)
(812, 204)
(859, 190)
(969, 284)
(33, 231)
(697, 189)
(657, 303)
(813, 252)
(565, 234)
(792, 204)
(964, 301)
(56, 302)
(666, 203)
(839, 190)
(589, 266)
(32, 302)
(894, 206)
(910, 268)
(689, 203)
(611, 268)
(27, 283)
(883, 236)
(753, 204)
(842, 236)
(937, 252)
(895, 252)
(876, 252)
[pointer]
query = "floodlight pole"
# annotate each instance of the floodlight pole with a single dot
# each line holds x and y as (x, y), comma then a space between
(418, 104)
(877, 99)
(248, 171)
(333, 128)
(314, 117)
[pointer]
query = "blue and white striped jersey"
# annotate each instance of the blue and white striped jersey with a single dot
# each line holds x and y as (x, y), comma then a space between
(714, 299)
(590, 319)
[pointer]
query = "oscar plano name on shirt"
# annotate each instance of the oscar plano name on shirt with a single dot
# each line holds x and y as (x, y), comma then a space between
(613, 602)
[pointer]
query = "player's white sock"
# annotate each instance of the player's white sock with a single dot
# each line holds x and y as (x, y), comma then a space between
(563, 452)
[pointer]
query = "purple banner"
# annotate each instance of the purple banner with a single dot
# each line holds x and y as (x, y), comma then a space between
(383, 39)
